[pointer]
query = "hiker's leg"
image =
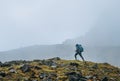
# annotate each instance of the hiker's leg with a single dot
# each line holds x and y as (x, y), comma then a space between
(76, 56)
(81, 56)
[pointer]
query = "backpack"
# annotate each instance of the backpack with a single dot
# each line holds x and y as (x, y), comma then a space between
(80, 48)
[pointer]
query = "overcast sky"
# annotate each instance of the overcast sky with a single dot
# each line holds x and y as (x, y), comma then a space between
(32, 22)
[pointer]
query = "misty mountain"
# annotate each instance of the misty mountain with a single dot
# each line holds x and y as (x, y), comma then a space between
(102, 42)
(38, 52)
(65, 51)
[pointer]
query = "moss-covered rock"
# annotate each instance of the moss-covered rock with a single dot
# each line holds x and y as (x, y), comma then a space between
(63, 70)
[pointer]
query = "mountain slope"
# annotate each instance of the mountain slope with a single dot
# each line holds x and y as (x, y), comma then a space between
(58, 69)
(38, 52)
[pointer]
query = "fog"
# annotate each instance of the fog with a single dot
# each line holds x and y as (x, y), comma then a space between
(49, 28)
(27, 22)
(105, 31)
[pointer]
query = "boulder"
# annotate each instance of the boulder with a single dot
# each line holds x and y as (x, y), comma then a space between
(12, 71)
(25, 68)
(49, 63)
(105, 79)
(6, 64)
(2, 74)
(73, 76)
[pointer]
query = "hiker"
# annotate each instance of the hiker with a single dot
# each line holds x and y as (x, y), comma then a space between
(79, 50)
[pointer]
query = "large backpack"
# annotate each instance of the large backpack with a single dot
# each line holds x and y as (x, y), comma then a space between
(80, 48)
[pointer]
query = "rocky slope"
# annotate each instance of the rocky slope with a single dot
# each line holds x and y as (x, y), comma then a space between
(56, 69)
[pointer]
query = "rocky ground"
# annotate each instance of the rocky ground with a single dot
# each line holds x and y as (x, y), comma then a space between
(56, 69)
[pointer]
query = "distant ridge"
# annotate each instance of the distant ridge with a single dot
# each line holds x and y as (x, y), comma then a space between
(66, 51)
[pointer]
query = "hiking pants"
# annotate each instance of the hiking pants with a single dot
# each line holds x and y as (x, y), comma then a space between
(80, 54)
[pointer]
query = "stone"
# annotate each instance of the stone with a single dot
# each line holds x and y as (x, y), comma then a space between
(12, 71)
(95, 66)
(47, 62)
(54, 65)
(89, 76)
(25, 68)
(70, 73)
(33, 75)
(37, 67)
(43, 75)
(106, 63)
(55, 58)
(105, 79)
(74, 64)
(6, 64)
(2, 74)
(48, 77)
(52, 76)
(73, 76)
